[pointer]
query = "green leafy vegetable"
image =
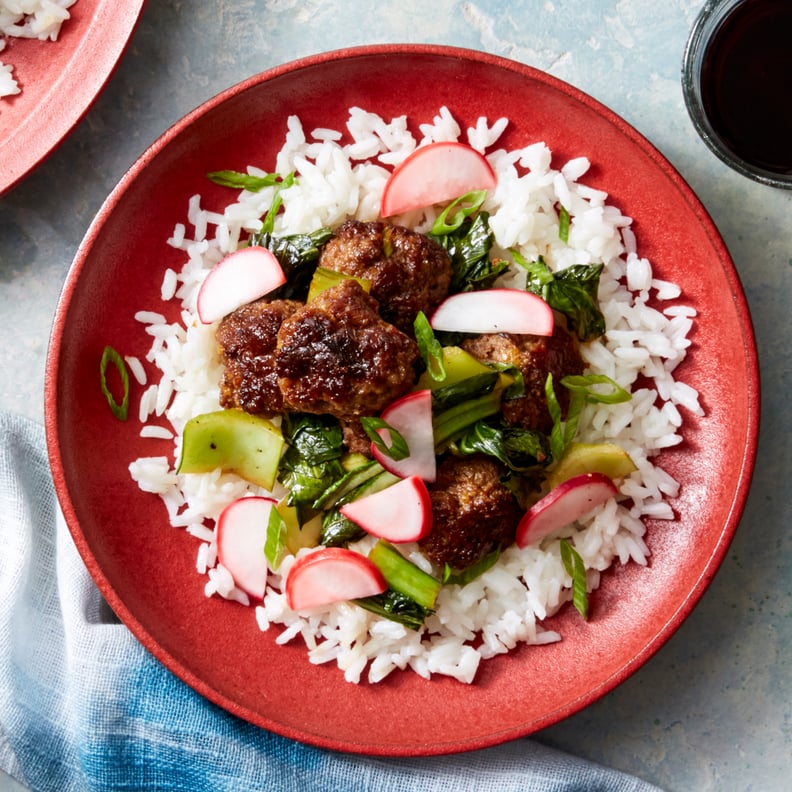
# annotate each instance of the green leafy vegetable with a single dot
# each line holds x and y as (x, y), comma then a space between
(464, 390)
(521, 450)
(576, 569)
(397, 607)
(455, 421)
(398, 445)
(338, 530)
(275, 544)
(298, 255)
(430, 348)
(110, 357)
(312, 460)
(572, 292)
(563, 224)
(468, 247)
(452, 578)
(243, 181)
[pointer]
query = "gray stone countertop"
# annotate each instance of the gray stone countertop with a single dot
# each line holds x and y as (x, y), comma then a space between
(711, 710)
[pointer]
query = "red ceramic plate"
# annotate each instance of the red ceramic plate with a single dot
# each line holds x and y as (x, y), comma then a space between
(146, 570)
(59, 81)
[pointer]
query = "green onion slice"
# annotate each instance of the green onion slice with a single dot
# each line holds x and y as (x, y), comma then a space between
(397, 449)
(563, 225)
(574, 566)
(430, 348)
(110, 356)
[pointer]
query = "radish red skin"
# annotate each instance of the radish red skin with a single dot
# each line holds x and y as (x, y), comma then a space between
(494, 311)
(435, 173)
(241, 535)
(563, 505)
(411, 416)
(330, 575)
(400, 513)
(236, 280)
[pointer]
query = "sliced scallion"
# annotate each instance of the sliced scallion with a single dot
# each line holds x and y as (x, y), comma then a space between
(110, 356)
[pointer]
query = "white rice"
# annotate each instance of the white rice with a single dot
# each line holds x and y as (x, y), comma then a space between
(341, 176)
(32, 19)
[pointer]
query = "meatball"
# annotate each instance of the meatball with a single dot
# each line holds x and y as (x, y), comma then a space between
(337, 355)
(247, 341)
(408, 271)
(536, 357)
(473, 511)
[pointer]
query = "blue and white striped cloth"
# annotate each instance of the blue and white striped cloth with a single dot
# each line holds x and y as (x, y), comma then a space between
(83, 706)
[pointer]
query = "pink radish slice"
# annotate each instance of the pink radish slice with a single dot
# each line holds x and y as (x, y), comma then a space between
(399, 513)
(332, 574)
(563, 505)
(494, 311)
(435, 173)
(241, 535)
(240, 278)
(411, 416)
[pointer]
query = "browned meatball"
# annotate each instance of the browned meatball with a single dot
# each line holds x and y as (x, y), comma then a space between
(336, 355)
(536, 357)
(408, 271)
(472, 510)
(247, 339)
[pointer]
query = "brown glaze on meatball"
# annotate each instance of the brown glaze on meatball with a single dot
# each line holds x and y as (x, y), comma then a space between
(408, 271)
(536, 357)
(337, 355)
(247, 340)
(473, 511)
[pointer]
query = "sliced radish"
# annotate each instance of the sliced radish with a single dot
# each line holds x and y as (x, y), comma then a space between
(240, 278)
(494, 311)
(332, 574)
(435, 173)
(241, 535)
(563, 505)
(411, 416)
(399, 513)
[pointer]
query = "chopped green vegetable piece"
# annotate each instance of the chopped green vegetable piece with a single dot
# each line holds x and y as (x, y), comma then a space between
(574, 566)
(338, 530)
(324, 279)
(347, 483)
(397, 449)
(268, 226)
(563, 225)
(275, 544)
(454, 422)
(452, 578)
(397, 607)
(468, 247)
(463, 207)
(298, 255)
(430, 348)
(243, 181)
(404, 576)
(572, 291)
(464, 390)
(582, 383)
(521, 450)
(457, 365)
(312, 461)
(235, 441)
(582, 392)
(110, 356)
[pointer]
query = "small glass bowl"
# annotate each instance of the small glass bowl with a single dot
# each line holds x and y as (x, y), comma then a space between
(705, 26)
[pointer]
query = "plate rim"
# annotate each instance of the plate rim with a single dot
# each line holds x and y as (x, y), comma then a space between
(739, 495)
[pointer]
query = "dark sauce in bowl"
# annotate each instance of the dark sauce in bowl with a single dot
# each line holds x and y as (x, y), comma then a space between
(746, 83)
(737, 85)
